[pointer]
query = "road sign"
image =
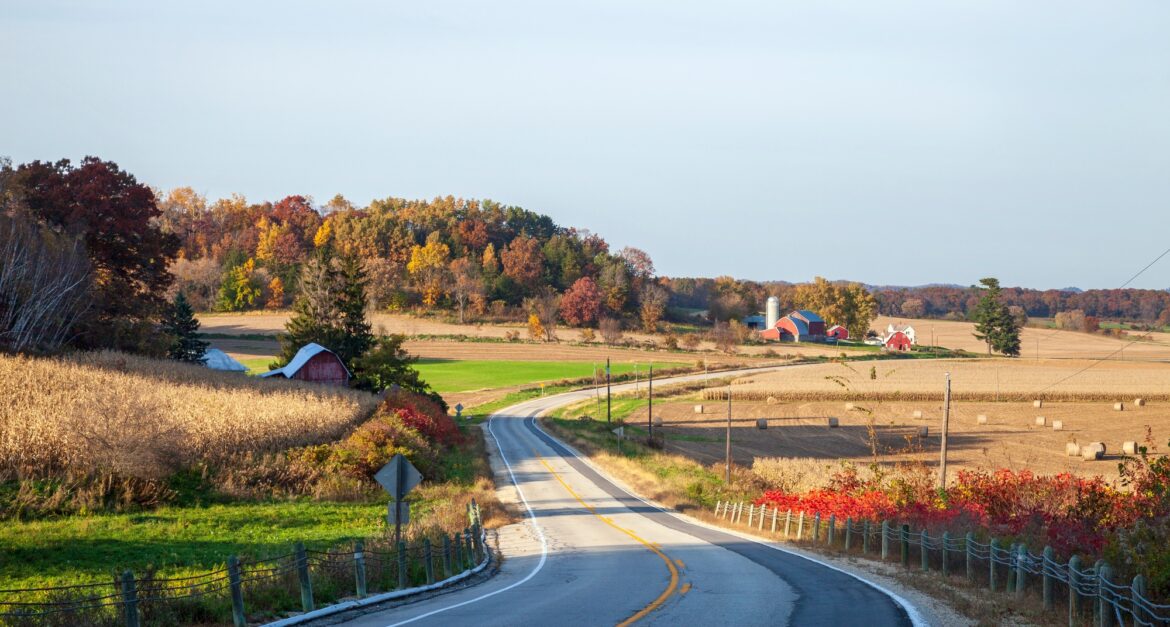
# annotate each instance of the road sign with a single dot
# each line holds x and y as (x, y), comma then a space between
(620, 432)
(459, 410)
(396, 515)
(398, 477)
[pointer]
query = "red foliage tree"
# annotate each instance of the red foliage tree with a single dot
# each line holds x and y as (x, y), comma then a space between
(523, 261)
(581, 303)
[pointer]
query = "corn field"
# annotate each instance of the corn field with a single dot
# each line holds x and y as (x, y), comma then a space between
(139, 417)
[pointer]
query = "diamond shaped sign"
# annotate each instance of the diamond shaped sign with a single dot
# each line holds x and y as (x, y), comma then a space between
(398, 477)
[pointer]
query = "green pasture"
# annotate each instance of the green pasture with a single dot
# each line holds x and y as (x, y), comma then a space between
(445, 375)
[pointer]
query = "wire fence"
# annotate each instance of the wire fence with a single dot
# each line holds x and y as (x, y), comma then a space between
(1089, 592)
(262, 587)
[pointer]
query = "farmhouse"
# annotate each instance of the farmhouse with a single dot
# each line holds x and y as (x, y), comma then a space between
(218, 360)
(314, 363)
(897, 341)
(798, 326)
(837, 332)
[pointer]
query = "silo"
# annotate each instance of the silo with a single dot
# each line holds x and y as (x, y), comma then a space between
(773, 311)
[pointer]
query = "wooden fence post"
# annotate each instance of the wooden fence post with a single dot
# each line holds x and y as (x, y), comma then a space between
(1074, 584)
(946, 554)
(1104, 606)
(446, 556)
(905, 545)
(763, 510)
(1011, 571)
(1137, 592)
(751, 512)
(1021, 569)
(477, 539)
(991, 574)
(303, 576)
(401, 565)
(239, 619)
(428, 561)
(924, 550)
(865, 537)
(788, 525)
(775, 515)
(848, 532)
(885, 540)
(831, 535)
(816, 527)
(969, 548)
(130, 599)
(359, 568)
(800, 527)
(1046, 568)
(717, 509)
(460, 564)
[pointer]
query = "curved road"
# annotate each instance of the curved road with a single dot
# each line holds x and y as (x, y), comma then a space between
(591, 553)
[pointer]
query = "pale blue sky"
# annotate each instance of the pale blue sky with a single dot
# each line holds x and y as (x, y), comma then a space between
(888, 142)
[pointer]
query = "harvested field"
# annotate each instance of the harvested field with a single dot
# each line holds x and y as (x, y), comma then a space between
(971, 379)
(1010, 439)
(1048, 343)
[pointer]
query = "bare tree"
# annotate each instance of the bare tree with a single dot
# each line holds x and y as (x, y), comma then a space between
(546, 306)
(611, 330)
(466, 283)
(44, 281)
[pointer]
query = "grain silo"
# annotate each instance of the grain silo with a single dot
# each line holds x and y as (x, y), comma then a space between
(773, 312)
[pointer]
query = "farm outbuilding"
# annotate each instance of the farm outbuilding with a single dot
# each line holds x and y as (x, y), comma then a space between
(755, 322)
(316, 364)
(219, 360)
(905, 329)
(837, 332)
(798, 326)
(897, 341)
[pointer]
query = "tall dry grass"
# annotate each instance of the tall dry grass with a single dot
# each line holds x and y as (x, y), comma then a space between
(971, 379)
(111, 413)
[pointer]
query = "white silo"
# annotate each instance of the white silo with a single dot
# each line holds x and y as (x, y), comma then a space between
(773, 311)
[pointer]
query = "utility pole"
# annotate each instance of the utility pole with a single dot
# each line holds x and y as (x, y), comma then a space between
(650, 403)
(608, 404)
(727, 477)
(942, 467)
(636, 380)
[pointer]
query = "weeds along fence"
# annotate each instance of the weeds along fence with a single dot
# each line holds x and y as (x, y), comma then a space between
(247, 590)
(1088, 592)
(784, 396)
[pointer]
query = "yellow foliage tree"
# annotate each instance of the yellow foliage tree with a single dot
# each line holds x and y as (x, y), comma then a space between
(324, 234)
(275, 294)
(428, 267)
(851, 305)
(535, 328)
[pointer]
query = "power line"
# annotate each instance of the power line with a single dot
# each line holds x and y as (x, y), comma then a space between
(1164, 253)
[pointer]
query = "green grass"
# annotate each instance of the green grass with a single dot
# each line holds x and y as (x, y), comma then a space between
(177, 541)
(467, 375)
(257, 365)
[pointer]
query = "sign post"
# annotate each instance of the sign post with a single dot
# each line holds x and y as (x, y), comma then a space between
(458, 411)
(398, 478)
(607, 400)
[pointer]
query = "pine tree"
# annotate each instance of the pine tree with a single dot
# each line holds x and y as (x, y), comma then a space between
(179, 322)
(354, 337)
(994, 323)
(315, 311)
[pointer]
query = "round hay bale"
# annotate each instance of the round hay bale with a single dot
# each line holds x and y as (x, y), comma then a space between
(848, 406)
(1058, 425)
(1037, 403)
(772, 400)
(1119, 407)
(698, 409)
(657, 421)
(1129, 448)
(1072, 449)
(834, 423)
(1139, 402)
(981, 419)
(917, 413)
(1041, 421)
(923, 432)
(762, 424)
(1093, 451)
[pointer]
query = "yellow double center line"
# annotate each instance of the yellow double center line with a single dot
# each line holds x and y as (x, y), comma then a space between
(670, 589)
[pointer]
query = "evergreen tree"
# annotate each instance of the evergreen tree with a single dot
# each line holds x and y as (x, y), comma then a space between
(354, 337)
(994, 323)
(387, 364)
(331, 310)
(179, 322)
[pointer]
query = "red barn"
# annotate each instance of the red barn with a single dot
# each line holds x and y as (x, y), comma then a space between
(316, 364)
(798, 326)
(838, 332)
(897, 341)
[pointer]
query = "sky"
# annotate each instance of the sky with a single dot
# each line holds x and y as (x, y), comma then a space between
(895, 142)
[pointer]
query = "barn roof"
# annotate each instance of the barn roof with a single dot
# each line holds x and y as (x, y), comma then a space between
(219, 360)
(307, 352)
(800, 325)
(808, 315)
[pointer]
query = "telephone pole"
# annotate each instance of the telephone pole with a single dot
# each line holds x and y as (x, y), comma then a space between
(727, 477)
(608, 404)
(942, 467)
(650, 403)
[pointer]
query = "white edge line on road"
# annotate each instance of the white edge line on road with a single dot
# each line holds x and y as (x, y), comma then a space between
(535, 527)
(911, 611)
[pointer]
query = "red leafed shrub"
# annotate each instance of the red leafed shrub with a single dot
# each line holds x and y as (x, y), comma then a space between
(423, 415)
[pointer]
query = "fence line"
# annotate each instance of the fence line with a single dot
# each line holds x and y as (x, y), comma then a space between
(129, 600)
(1090, 589)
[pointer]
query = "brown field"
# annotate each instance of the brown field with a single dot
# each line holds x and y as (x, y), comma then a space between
(1048, 343)
(971, 379)
(1010, 439)
(137, 416)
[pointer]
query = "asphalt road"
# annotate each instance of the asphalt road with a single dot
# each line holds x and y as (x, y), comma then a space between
(590, 553)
